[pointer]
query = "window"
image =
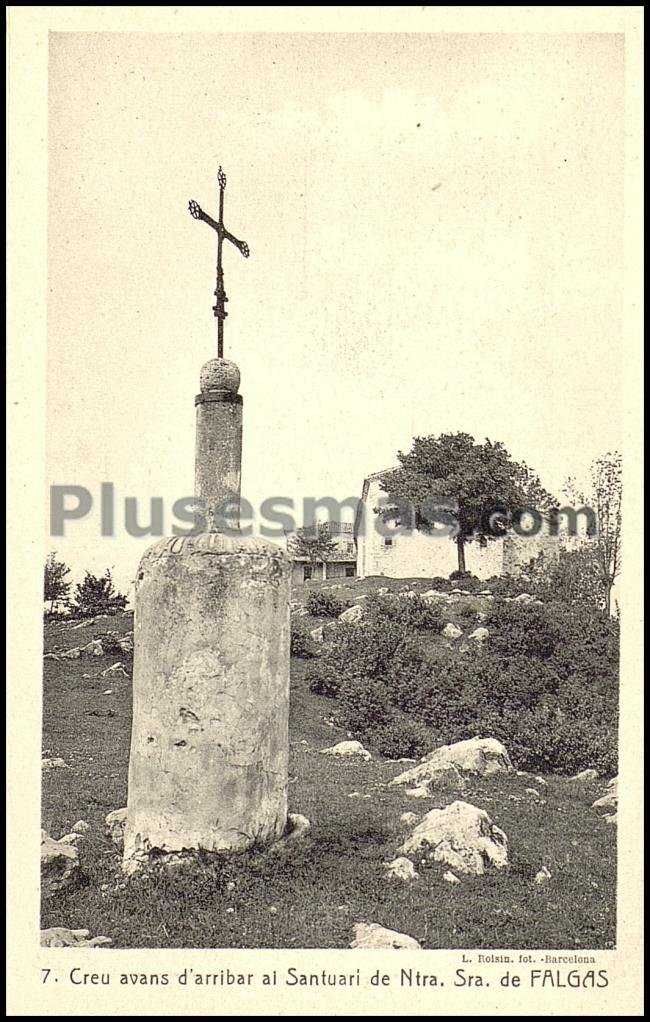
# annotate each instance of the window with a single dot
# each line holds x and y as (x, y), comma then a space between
(349, 571)
(388, 541)
(306, 572)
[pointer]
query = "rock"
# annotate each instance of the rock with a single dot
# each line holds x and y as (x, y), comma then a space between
(347, 749)
(450, 877)
(479, 635)
(60, 866)
(81, 827)
(524, 598)
(419, 792)
(451, 631)
(482, 756)
(543, 875)
(532, 791)
(372, 935)
(460, 836)
(61, 936)
(126, 643)
(317, 634)
(70, 839)
(51, 656)
(585, 776)
(70, 654)
(610, 799)
(401, 869)
(409, 819)
(115, 669)
(115, 824)
(352, 616)
(93, 648)
(53, 764)
(298, 827)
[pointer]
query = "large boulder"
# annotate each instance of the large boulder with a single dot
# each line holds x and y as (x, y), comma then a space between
(401, 869)
(478, 756)
(479, 635)
(347, 749)
(372, 935)
(60, 866)
(460, 836)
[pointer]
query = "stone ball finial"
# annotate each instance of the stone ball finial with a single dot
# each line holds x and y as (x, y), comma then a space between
(219, 374)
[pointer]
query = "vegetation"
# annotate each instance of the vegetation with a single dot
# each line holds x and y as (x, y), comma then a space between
(56, 584)
(313, 542)
(259, 900)
(474, 490)
(605, 496)
(97, 595)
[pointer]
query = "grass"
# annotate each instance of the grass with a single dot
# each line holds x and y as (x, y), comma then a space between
(311, 896)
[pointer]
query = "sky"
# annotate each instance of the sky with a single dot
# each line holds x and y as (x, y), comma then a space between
(436, 231)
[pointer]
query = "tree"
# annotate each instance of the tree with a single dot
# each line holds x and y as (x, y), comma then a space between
(313, 542)
(478, 488)
(575, 578)
(605, 498)
(56, 587)
(97, 595)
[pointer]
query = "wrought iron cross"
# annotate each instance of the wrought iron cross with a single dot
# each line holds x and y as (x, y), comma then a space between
(219, 308)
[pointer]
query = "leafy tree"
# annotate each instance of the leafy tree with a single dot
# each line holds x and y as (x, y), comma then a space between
(56, 587)
(477, 488)
(313, 542)
(97, 595)
(605, 498)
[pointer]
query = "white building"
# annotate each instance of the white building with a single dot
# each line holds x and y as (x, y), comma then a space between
(410, 553)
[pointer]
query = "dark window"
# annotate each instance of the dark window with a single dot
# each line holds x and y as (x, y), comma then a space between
(306, 572)
(349, 571)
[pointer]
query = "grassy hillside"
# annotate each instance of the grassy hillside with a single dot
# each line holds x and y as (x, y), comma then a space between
(312, 897)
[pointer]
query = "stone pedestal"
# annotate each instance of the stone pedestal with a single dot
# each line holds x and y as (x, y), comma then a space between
(209, 744)
(219, 409)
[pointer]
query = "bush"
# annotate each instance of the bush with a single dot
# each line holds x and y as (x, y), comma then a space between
(325, 605)
(365, 703)
(302, 644)
(400, 738)
(323, 678)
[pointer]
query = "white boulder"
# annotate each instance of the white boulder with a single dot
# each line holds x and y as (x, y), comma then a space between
(401, 868)
(55, 763)
(610, 799)
(352, 616)
(451, 631)
(482, 756)
(62, 936)
(60, 866)
(585, 776)
(372, 935)
(462, 837)
(347, 749)
(115, 826)
(479, 635)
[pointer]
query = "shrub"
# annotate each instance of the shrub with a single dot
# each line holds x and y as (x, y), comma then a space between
(400, 738)
(365, 703)
(302, 644)
(323, 678)
(325, 605)
(465, 580)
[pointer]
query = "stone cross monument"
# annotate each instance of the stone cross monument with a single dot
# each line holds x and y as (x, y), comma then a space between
(209, 743)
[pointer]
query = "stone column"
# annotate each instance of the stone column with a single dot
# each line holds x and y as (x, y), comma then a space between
(219, 410)
(209, 743)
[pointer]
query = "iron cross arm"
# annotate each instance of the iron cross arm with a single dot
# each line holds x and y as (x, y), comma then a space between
(219, 308)
(200, 214)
